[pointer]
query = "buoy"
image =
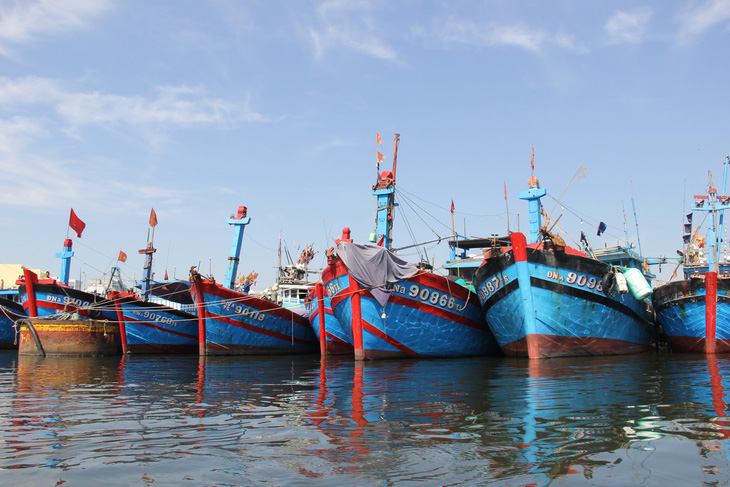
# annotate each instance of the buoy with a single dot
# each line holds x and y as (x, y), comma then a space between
(636, 281)
(621, 285)
(608, 283)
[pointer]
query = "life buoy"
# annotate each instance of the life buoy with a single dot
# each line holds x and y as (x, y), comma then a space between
(607, 283)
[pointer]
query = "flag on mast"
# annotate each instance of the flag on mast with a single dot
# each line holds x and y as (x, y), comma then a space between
(380, 141)
(153, 218)
(76, 224)
(381, 157)
(122, 257)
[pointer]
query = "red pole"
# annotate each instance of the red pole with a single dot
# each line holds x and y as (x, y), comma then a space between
(122, 324)
(319, 288)
(30, 280)
(710, 311)
(197, 283)
(357, 325)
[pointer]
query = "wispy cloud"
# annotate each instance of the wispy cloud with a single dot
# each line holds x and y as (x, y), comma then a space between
(628, 27)
(24, 22)
(181, 106)
(493, 34)
(350, 25)
(697, 19)
(33, 176)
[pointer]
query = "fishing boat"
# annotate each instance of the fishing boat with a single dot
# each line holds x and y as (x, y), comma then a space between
(332, 339)
(10, 313)
(159, 319)
(50, 298)
(389, 308)
(545, 299)
(231, 322)
(695, 312)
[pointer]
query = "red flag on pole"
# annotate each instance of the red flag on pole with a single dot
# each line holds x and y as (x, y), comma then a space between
(505, 190)
(381, 157)
(532, 161)
(153, 218)
(76, 223)
(122, 257)
(452, 206)
(380, 141)
(166, 278)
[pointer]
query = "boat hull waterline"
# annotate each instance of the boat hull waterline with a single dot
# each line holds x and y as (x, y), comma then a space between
(692, 322)
(548, 303)
(332, 339)
(426, 315)
(233, 323)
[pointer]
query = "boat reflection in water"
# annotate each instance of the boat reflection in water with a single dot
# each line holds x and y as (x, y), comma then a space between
(305, 420)
(493, 419)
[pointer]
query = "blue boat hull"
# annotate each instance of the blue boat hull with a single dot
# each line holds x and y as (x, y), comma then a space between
(154, 328)
(681, 311)
(547, 303)
(332, 339)
(10, 312)
(54, 300)
(426, 315)
(233, 323)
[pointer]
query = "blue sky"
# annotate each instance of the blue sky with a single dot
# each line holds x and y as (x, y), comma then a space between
(195, 108)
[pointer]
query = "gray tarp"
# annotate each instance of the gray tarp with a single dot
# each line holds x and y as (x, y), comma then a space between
(372, 266)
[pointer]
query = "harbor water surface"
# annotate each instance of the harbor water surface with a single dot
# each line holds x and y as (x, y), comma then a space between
(655, 419)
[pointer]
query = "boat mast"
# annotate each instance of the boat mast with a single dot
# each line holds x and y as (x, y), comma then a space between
(533, 195)
(384, 191)
(636, 220)
(65, 256)
(717, 204)
(147, 252)
(239, 223)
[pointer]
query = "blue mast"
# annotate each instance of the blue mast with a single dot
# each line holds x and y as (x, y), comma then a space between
(533, 196)
(239, 223)
(147, 274)
(384, 191)
(65, 256)
(717, 204)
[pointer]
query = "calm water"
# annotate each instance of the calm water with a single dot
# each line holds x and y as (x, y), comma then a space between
(145, 420)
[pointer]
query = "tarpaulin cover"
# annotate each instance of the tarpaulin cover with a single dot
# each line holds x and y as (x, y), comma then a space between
(373, 266)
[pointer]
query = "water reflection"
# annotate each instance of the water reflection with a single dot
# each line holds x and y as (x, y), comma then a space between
(328, 421)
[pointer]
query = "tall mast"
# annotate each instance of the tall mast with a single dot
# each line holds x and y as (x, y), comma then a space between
(147, 252)
(65, 256)
(384, 191)
(239, 222)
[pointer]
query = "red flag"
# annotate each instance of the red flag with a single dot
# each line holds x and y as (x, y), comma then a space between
(122, 257)
(505, 190)
(380, 141)
(452, 206)
(153, 218)
(532, 162)
(166, 278)
(381, 158)
(76, 223)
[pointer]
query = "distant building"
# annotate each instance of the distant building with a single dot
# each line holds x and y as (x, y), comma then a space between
(10, 273)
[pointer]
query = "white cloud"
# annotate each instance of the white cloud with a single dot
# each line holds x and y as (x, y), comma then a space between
(173, 105)
(697, 19)
(628, 27)
(23, 22)
(348, 24)
(491, 34)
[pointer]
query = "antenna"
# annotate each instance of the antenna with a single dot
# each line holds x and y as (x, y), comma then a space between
(636, 220)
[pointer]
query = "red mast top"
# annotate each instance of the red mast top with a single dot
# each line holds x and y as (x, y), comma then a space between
(395, 154)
